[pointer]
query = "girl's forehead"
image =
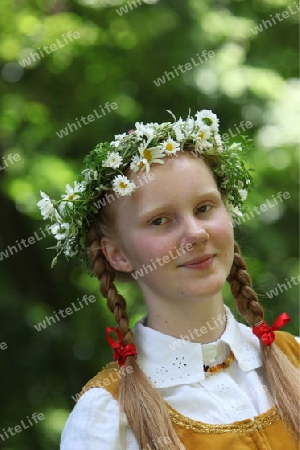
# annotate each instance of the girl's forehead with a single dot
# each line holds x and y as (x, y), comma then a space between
(181, 176)
(176, 170)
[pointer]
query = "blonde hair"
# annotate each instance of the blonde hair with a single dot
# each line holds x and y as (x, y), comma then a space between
(144, 407)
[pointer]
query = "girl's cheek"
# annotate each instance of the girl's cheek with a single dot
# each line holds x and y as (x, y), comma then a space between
(149, 248)
(223, 227)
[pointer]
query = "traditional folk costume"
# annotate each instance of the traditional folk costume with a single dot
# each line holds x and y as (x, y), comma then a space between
(216, 393)
(231, 408)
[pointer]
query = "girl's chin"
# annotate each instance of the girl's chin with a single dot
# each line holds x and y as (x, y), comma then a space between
(208, 289)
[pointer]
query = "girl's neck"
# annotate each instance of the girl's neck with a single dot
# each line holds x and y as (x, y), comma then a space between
(202, 323)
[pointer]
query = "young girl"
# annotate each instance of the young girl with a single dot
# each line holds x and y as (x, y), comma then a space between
(155, 206)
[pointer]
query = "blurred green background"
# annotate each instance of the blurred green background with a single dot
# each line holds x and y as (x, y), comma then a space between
(119, 54)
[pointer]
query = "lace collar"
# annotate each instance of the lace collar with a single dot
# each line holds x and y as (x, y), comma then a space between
(168, 361)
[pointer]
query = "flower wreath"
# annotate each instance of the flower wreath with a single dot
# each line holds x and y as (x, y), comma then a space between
(139, 148)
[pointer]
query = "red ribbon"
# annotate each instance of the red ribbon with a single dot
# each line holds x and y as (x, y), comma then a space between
(266, 333)
(120, 353)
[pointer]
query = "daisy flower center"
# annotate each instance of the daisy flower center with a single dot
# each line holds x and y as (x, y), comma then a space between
(169, 147)
(147, 154)
(123, 185)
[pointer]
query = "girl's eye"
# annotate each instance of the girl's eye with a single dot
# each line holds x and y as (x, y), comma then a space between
(162, 220)
(158, 220)
(204, 208)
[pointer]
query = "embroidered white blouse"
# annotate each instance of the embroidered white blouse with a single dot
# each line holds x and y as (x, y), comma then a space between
(175, 367)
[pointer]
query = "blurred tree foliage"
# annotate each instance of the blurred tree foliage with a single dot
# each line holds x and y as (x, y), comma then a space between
(252, 77)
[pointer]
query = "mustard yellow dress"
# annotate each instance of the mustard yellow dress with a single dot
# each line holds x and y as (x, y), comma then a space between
(266, 431)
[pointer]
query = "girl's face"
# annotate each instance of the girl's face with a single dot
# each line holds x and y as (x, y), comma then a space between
(181, 208)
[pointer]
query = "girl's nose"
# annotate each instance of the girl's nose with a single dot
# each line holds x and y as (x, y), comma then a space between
(194, 232)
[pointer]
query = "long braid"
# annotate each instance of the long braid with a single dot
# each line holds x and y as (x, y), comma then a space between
(106, 275)
(282, 375)
(145, 409)
(241, 288)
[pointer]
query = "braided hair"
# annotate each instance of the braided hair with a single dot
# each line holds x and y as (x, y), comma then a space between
(145, 409)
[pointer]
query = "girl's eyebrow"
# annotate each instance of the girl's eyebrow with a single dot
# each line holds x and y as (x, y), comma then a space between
(163, 206)
(149, 212)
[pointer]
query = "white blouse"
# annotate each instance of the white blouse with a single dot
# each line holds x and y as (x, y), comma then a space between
(175, 367)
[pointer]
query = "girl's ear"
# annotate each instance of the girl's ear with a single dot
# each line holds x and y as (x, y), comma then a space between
(115, 255)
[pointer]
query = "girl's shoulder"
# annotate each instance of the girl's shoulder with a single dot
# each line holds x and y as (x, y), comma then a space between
(93, 423)
(108, 378)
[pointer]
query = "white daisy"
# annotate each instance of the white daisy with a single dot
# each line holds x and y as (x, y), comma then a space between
(145, 130)
(118, 139)
(235, 211)
(202, 145)
(69, 251)
(177, 128)
(60, 230)
(113, 159)
(236, 146)
(62, 207)
(188, 127)
(151, 155)
(207, 117)
(138, 163)
(72, 193)
(170, 147)
(204, 132)
(218, 142)
(79, 187)
(122, 185)
(47, 208)
(243, 194)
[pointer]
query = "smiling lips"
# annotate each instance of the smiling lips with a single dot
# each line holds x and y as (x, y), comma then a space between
(202, 262)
